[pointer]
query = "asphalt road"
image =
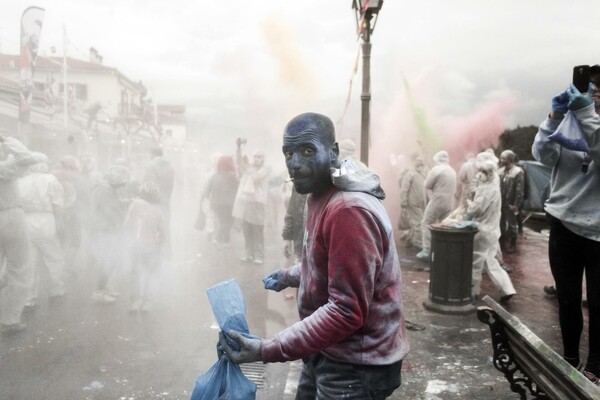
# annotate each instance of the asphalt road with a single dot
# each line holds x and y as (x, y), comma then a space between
(77, 349)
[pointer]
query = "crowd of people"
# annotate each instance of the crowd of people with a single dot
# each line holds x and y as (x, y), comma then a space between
(491, 191)
(58, 216)
(487, 190)
(336, 234)
(69, 208)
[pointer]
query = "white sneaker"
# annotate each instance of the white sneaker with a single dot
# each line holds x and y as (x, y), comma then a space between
(102, 297)
(424, 256)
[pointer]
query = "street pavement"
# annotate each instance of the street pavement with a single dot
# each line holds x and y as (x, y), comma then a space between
(452, 357)
(75, 349)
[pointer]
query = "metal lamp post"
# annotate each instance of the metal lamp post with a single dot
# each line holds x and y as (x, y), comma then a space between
(365, 11)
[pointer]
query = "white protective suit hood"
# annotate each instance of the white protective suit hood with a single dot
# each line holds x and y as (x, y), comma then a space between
(117, 175)
(41, 164)
(486, 165)
(441, 157)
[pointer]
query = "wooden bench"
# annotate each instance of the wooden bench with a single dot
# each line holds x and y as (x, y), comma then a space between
(531, 367)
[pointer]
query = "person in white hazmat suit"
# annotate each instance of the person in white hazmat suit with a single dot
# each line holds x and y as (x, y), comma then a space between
(412, 202)
(465, 176)
(441, 183)
(106, 230)
(15, 158)
(485, 209)
(43, 199)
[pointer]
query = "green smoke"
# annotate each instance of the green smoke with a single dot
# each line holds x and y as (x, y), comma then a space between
(427, 139)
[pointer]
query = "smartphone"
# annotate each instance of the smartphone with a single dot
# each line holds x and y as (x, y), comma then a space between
(581, 77)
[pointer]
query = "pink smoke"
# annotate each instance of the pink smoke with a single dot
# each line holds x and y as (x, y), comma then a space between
(395, 132)
(477, 131)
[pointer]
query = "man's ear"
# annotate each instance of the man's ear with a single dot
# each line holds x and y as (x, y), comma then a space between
(334, 153)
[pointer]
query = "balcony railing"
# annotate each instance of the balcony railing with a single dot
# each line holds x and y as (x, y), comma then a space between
(128, 109)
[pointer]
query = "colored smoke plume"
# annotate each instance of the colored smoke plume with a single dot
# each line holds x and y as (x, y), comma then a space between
(283, 47)
(477, 131)
(293, 85)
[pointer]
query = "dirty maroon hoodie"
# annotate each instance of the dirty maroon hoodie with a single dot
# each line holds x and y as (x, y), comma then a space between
(349, 279)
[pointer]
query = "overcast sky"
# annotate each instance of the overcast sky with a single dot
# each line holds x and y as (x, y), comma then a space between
(473, 67)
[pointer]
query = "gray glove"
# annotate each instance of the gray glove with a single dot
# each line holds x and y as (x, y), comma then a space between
(249, 347)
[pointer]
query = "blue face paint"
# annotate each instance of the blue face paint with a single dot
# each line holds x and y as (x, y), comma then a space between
(308, 155)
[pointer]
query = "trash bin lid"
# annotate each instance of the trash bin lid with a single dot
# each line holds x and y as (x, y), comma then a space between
(454, 228)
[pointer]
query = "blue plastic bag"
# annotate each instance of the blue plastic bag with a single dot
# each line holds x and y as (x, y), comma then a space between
(569, 135)
(229, 308)
(225, 380)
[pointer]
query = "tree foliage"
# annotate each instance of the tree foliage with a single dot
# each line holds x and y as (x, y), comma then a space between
(518, 140)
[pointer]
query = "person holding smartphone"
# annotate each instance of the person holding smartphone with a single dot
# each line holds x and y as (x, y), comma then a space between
(574, 243)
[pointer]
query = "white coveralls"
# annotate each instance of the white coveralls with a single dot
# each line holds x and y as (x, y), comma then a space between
(14, 241)
(466, 173)
(43, 196)
(250, 206)
(441, 181)
(412, 203)
(485, 209)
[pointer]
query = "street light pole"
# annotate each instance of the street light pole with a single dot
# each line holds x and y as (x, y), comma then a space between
(365, 10)
(365, 97)
(64, 71)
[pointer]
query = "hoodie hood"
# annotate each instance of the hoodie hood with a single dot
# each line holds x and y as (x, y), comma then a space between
(39, 168)
(117, 175)
(484, 161)
(41, 163)
(70, 163)
(351, 178)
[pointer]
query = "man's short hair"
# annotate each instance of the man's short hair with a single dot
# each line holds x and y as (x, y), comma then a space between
(509, 155)
(313, 121)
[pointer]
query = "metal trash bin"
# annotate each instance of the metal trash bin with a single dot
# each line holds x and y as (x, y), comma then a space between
(451, 270)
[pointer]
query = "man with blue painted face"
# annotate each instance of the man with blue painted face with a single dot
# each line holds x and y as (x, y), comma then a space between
(351, 335)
